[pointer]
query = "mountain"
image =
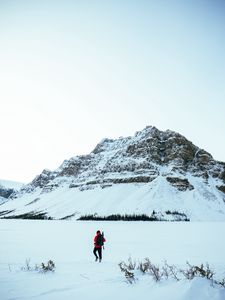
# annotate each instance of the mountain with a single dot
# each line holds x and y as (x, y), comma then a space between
(7, 188)
(157, 173)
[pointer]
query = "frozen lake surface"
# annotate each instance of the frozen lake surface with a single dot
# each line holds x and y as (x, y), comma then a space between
(77, 276)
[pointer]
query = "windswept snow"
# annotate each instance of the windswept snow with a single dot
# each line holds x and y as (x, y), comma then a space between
(77, 276)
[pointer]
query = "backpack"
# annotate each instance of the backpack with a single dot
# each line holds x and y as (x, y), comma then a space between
(99, 241)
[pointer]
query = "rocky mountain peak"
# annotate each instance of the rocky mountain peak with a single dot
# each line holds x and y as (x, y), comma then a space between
(144, 153)
(141, 158)
(152, 170)
(148, 131)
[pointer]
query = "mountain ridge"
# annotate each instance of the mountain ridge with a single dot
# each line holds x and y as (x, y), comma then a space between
(158, 163)
(7, 188)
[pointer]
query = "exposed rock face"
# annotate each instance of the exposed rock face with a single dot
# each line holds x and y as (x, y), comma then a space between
(221, 188)
(39, 181)
(221, 174)
(5, 193)
(180, 184)
(42, 179)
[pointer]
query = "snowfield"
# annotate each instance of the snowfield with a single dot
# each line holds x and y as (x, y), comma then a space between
(200, 204)
(77, 276)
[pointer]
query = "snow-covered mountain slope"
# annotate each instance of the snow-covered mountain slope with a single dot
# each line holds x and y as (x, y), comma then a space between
(7, 188)
(154, 172)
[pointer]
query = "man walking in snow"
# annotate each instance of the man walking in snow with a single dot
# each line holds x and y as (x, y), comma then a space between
(98, 244)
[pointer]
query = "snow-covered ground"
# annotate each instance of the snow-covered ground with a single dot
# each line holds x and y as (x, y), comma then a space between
(77, 276)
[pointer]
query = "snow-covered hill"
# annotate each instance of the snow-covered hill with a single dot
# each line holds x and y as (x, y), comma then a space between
(7, 188)
(154, 172)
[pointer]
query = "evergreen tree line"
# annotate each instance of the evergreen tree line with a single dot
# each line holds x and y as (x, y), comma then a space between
(118, 217)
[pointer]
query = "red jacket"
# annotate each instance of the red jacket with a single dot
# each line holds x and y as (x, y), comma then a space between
(95, 240)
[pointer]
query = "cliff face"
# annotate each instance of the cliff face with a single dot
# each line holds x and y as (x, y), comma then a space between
(150, 159)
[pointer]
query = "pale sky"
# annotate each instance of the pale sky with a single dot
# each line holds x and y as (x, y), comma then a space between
(75, 72)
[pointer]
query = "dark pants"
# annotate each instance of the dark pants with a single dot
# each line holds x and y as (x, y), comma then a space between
(99, 250)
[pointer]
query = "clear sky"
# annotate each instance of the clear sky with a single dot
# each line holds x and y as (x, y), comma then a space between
(75, 72)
